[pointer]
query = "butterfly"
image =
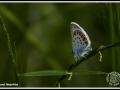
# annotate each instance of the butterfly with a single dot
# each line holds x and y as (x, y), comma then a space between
(81, 43)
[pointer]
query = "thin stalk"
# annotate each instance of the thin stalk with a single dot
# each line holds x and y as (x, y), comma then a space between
(74, 65)
(111, 28)
(9, 48)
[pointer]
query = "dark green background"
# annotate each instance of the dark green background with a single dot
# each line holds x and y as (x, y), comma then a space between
(41, 32)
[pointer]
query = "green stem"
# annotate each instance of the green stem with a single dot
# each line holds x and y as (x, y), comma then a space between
(112, 37)
(9, 48)
(73, 66)
(16, 67)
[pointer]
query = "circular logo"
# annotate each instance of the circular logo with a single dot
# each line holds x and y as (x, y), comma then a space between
(113, 78)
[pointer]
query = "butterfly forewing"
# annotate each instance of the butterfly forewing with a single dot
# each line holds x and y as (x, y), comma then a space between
(78, 36)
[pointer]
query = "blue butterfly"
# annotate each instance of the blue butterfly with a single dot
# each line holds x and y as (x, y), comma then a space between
(81, 43)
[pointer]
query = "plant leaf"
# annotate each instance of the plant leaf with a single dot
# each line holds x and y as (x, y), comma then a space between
(44, 73)
(59, 72)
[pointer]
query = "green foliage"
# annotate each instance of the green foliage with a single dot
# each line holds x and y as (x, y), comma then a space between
(48, 35)
(14, 63)
(58, 72)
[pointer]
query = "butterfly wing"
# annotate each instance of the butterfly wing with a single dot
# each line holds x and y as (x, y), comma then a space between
(80, 40)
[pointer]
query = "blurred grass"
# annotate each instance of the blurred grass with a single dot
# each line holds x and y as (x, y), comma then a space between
(112, 34)
(46, 38)
(117, 36)
(13, 59)
(110, 14)
(29, 37)
(73, 66)
(58, 72)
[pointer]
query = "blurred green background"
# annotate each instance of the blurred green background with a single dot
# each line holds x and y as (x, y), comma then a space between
(41, 32)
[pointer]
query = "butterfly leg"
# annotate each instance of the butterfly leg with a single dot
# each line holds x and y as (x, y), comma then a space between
(84, 57)
(86, 53)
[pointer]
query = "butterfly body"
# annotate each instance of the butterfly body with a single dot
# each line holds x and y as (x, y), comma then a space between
(81, 43)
